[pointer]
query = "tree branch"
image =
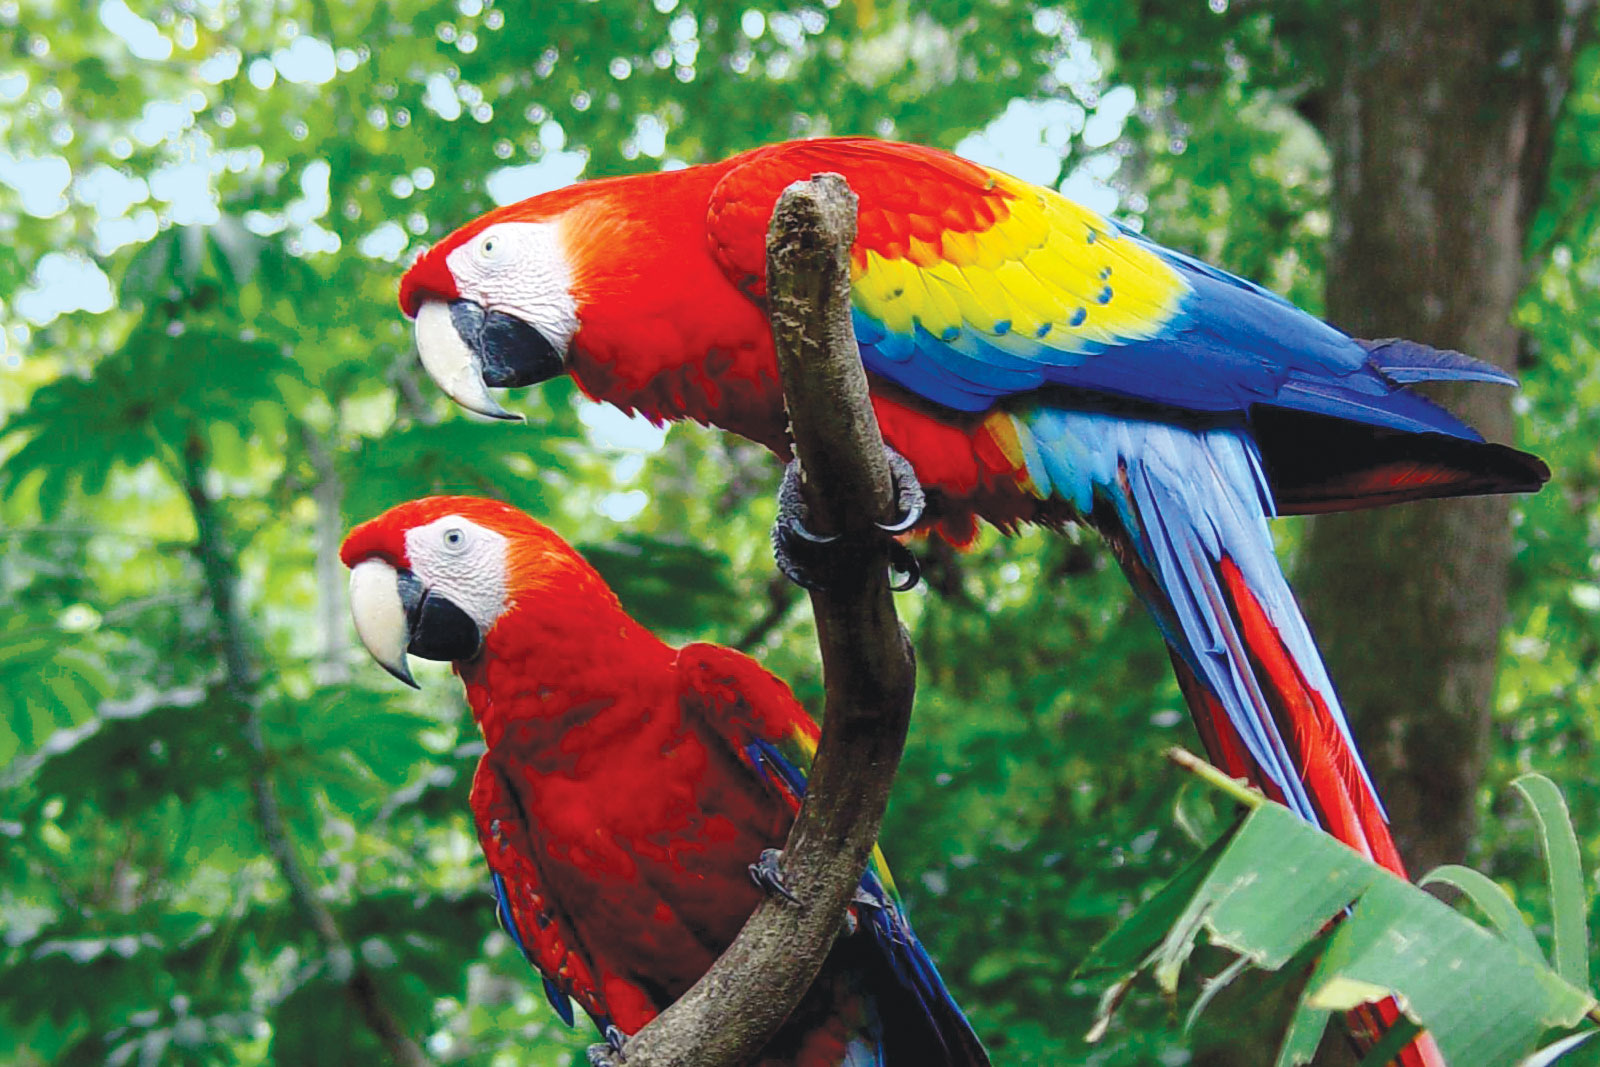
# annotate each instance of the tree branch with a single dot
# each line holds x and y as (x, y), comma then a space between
(221, 580)
(868, 669)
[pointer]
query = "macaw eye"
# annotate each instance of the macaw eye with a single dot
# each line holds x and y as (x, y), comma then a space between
(490, 247)
(455, 539)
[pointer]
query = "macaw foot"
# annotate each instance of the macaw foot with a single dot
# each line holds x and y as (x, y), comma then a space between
(610, 1053)
(812, 561)
(766, 874)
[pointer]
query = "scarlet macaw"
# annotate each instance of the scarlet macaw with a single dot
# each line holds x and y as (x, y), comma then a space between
(1035, 362)
(628, 786)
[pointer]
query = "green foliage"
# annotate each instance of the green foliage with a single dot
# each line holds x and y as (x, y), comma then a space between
(1268, 890)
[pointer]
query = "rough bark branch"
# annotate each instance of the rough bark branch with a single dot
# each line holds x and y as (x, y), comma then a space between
(221, 580)
(868, 670)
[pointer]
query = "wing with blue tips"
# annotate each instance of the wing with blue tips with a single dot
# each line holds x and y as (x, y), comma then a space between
(1054, 295)
(520, 905)
(502, 912)
(918, 1018)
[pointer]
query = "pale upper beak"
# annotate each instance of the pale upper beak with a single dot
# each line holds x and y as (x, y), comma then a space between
(382, 618)
(466, 349)
(396, 614)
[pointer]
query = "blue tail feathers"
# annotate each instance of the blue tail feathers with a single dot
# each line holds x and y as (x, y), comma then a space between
(1180, 501)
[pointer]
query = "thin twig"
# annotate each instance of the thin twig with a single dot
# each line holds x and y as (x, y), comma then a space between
(1216, 779)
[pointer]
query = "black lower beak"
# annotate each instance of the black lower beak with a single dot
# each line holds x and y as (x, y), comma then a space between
(509, 351)
(438, 629)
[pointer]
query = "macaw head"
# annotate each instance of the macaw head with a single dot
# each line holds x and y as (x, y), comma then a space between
(494, 303)
(610, 280)
(435, 577)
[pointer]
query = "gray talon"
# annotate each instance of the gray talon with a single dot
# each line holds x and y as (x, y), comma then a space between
(814, 561)
(904, 570)
(610, 1053)
(799, 530)
(766, 874)
(908, 495)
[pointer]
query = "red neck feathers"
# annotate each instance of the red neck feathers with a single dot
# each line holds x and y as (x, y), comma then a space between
(662, 330)
(563, 658)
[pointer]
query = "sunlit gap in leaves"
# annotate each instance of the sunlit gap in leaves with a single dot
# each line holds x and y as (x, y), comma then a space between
(634, 437)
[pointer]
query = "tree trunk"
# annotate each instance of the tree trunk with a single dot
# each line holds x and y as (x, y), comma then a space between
(1440, 133)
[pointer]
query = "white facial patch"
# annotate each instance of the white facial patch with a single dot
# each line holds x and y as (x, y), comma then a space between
(518, 268)
(463, 562)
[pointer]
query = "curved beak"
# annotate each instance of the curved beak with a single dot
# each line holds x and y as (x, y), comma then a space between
(394, 614)
(467, 349)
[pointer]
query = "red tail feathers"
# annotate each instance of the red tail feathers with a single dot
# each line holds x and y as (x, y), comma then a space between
(1349, 809)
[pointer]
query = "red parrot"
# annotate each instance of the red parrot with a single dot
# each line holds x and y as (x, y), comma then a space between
(628, 786)
(1035, 363)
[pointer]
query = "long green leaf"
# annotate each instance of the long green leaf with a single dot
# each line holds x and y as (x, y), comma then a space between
(1128, 947)
(1305, 1032)
(1495, 903)
(1570, 937)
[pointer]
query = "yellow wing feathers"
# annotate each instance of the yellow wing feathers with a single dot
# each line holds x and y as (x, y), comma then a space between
(1047, 274)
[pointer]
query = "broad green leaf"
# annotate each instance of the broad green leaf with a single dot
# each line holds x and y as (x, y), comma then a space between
(1279, 881)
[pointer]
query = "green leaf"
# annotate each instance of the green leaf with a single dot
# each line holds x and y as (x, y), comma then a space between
(1570, 936)
(148, 275)
(1495, 903)
(1129, 947)
(34, 651)
(1300, 1041)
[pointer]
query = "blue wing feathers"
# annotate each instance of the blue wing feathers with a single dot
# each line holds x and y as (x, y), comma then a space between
(502, 911)
(560, 1002)
(775, 767)
(1397, 411)
(1185, 500)
(1230, 345)
(1409, 361)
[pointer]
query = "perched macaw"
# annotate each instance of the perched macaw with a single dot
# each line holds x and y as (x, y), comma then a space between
(629, 786)
(1035, 362)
